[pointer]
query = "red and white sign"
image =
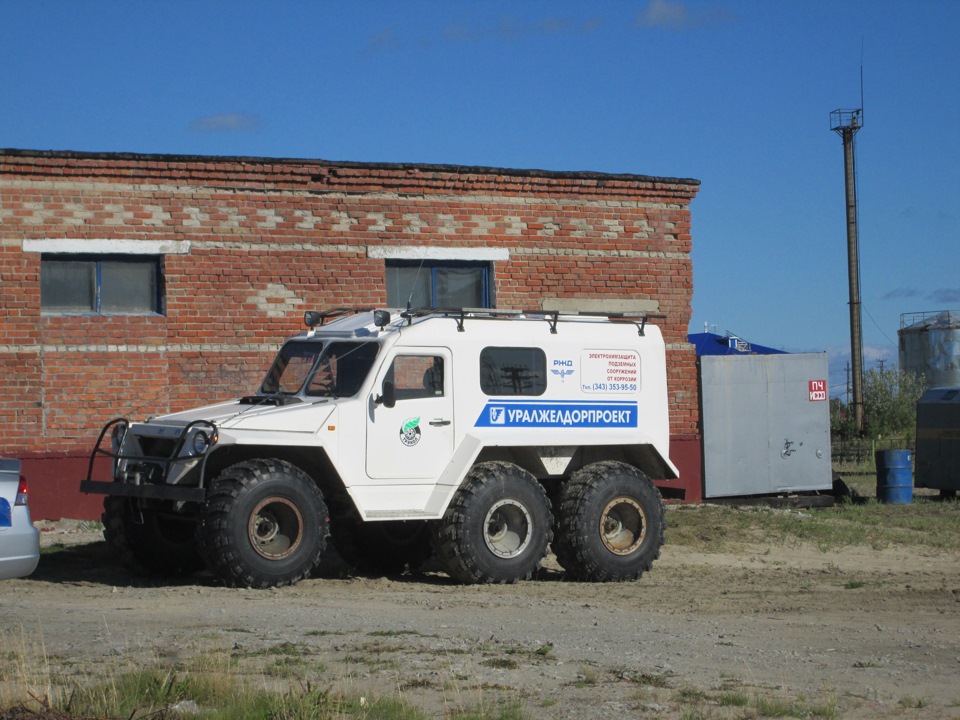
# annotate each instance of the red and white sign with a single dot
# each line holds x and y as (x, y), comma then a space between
(818, 390)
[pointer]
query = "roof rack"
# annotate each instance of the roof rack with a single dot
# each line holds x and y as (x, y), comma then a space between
(551, 316)
(459, 314)
(312, 318)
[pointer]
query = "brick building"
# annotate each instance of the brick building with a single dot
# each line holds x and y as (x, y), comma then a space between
(142, 284)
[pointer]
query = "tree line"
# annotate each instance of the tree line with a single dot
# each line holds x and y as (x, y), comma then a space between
(889, 406)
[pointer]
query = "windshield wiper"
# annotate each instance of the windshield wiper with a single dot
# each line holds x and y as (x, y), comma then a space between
(277, 398)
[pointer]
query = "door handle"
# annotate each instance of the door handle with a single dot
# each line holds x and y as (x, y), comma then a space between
(439, 422)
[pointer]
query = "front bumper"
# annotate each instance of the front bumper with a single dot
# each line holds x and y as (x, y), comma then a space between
(151, 466)
(19, 551)
(149, 492)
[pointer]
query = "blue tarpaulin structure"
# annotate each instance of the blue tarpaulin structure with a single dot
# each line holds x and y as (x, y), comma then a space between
(713, 344)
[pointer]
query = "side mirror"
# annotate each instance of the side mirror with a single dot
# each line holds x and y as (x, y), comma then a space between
(389, 396)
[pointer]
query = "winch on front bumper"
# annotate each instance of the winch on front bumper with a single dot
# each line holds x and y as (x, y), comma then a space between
(153, 461)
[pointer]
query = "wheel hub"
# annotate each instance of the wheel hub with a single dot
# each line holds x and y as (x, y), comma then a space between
(623, 526)
(275, 529)
(506, 530)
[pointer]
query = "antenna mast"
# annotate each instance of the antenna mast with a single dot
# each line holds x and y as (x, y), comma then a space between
(846, 123)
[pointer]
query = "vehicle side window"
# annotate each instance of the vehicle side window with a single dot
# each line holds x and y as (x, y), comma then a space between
(417, 376)
(513, 371)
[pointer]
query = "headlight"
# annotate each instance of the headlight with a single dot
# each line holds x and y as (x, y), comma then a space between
(200, 443)
(116, 436)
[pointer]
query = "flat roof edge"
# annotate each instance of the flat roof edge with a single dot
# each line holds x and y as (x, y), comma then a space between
(423, 167)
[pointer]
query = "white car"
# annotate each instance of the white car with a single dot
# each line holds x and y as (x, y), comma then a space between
(19, 539)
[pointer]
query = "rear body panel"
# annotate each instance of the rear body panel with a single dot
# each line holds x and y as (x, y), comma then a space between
(19, 539)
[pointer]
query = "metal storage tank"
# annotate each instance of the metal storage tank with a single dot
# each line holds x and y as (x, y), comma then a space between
(930, 345)
(938, 440)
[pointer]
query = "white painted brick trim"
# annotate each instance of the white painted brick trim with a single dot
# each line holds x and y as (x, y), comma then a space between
(422, 252)
(108, 247)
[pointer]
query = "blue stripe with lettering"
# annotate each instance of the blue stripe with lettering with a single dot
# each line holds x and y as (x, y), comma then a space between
(556, 414)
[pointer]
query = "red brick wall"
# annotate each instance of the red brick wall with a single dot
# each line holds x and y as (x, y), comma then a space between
(272, 238)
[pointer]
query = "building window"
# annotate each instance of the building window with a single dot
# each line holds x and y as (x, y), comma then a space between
(100, 284)
(435, 283)
(513, 371)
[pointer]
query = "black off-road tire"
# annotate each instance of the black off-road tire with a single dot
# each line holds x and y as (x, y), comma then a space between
(264, 524)
(381, 548)
(497, 527)
(149, 541)
(610, 524)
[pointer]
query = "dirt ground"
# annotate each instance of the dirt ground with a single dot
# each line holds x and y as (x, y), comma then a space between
(871, 633)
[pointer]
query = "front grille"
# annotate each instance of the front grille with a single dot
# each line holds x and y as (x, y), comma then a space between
(157, 447)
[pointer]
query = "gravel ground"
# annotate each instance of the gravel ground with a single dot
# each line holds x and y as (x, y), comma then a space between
(871, 633)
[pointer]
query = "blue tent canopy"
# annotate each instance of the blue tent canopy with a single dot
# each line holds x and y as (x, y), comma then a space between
(713, 344)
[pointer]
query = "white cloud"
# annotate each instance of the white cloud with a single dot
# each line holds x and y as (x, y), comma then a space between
(226, 122)
(676, 14)
(664, 13)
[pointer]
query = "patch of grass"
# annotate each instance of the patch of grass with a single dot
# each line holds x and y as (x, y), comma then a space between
(854, 585)
(211, 695)
(544, 651)
(283, 649)
(924, 523)
(912, 702)
(291, 667)
(397, 633)
(775, 707)
(796, 708)
(501, 663)
(642, 678)
(24, 667)
(733, 699)
(588, 677)
(373, 663)
(503, 711)
(690, 695)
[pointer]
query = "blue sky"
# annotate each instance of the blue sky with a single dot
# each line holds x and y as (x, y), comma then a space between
(734, 93)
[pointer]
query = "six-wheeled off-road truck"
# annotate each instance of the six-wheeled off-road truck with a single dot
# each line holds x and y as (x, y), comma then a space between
(480, 437)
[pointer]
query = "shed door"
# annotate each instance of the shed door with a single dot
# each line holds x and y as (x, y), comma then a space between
(762, 431)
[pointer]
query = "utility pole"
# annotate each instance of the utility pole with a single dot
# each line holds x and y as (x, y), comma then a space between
(847, 400)
(846, 123)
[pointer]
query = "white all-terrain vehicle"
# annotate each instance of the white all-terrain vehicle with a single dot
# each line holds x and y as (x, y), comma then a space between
(482, 437)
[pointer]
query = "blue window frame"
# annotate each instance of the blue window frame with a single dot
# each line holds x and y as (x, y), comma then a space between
(438, 283)
(100, 285)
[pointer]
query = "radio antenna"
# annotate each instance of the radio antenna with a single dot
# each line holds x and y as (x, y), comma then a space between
(413, 287)
(861, 78)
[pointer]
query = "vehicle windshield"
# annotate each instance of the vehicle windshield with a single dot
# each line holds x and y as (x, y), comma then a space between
(330, 369)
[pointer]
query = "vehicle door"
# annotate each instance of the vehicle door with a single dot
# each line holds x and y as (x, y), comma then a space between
(413, 439)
